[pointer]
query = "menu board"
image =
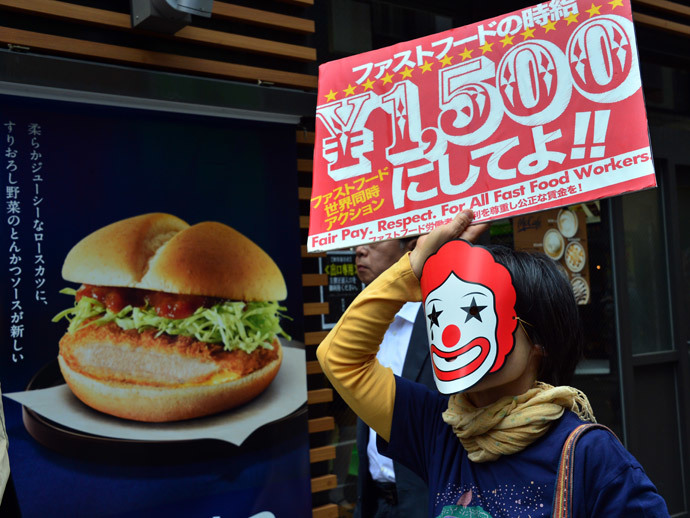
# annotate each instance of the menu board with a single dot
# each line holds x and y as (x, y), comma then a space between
(562, 235)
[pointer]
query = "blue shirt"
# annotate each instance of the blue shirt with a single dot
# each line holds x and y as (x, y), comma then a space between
(608, 481)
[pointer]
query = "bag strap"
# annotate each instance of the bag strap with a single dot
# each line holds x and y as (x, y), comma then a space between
(563, 492)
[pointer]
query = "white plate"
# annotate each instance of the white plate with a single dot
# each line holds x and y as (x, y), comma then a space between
(285, 394)
(554, 244)
(575, 257)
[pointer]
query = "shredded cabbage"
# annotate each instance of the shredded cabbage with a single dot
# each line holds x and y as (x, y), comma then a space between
(237, 325)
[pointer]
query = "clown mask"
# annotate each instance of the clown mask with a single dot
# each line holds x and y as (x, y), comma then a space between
(469, 302)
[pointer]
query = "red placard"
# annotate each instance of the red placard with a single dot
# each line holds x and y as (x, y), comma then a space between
(535, 109)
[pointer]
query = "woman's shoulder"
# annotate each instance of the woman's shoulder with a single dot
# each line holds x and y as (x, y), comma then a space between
(611, 478)
(597, 444)
(411, 393)
(417, 403)
(597, 440)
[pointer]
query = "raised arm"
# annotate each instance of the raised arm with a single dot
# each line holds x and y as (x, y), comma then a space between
(348, 354)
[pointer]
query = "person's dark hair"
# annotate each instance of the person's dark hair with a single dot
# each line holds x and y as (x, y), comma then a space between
(404, 241)
(546, 302)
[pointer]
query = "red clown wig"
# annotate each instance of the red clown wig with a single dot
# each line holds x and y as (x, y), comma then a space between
(477, 265)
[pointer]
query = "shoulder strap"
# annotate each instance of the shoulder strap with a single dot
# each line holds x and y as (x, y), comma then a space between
(563, 492)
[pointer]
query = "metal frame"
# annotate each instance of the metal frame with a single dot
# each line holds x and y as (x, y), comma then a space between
(49, 77)
(624, 345)
(681, 343)
(678, 356)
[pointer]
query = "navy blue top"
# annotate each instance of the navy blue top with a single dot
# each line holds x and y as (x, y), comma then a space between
(608, 481)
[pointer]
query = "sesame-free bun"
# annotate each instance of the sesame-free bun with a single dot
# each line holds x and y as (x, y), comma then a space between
(161, 252)
(150, 403)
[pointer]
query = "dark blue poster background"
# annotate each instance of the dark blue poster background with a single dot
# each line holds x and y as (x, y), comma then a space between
(98, 165)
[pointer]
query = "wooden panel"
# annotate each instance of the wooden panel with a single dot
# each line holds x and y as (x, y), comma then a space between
(245, 43)
(314, 279)
(313, 367)
(304, 222)
(663, 5)
(322, 453)
(304, 165)
(314, 337)
(130, 56)
(223, 10)
(317, 396)
(321, 424)
(315, 308)
(303, 3)
(323, 483)
(305, 193)
(325, 511)
(311, 254)
(71, 12)
(112, 20)
(305, 137)
(660, 23)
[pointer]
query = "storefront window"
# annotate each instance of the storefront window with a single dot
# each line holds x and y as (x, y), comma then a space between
(683, 190)
(597, 373)
(646, 269)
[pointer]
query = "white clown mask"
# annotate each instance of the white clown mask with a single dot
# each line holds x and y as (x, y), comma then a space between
(461, 325)
(469, 304)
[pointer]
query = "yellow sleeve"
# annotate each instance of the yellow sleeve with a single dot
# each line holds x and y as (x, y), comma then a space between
(348, 354)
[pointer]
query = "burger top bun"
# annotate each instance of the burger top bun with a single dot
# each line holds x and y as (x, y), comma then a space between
(163, 253)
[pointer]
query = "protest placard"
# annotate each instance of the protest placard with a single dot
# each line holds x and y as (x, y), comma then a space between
(535, 109)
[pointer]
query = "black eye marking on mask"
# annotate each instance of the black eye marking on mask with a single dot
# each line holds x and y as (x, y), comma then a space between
(433, 318)
(473, 311)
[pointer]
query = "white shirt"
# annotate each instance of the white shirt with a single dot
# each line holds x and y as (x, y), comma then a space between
(392, 354)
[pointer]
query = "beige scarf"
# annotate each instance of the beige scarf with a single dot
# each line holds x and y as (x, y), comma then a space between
(514, 422)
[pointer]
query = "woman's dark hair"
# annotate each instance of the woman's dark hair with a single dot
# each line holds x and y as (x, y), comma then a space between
(546, 302)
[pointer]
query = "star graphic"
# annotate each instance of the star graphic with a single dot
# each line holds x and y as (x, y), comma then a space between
(616, 3)
(350, 90)
(466, 54)
(368, 84)
(572, 18)
(387, 79)
(551, 26)
(593, 10)
(433, 316)
(407, 73)
(527, 33)
(426, 67)
(473, 311)
(446, 60)
(331, 96)
(508, 40)
(486, 47)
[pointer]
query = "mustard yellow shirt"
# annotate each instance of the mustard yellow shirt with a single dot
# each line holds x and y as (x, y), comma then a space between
(348, 354)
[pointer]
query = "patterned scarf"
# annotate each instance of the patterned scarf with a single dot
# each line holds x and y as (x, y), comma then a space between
(514, 422)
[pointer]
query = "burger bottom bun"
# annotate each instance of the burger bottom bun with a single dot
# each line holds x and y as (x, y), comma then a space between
(160, 404)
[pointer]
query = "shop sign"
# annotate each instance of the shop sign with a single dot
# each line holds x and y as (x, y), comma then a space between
(342, 287)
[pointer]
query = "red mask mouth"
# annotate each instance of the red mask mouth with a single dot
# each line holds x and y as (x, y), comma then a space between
(451, 356)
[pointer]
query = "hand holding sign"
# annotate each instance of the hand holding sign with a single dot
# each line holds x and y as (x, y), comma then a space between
(459, 227)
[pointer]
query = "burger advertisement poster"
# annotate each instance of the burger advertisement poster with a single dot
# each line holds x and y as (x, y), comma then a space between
(536, 109)
(151, 362)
